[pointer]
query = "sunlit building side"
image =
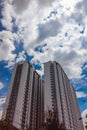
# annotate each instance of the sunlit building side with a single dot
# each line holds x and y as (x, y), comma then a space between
(24, 105)
(60, 97)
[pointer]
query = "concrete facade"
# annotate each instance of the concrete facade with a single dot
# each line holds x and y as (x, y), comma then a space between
(60, 97)
(24, 103)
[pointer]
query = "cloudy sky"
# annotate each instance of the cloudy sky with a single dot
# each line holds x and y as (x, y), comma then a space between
(43, 30)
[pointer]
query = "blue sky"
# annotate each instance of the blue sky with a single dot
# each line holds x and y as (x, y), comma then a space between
(43, 30)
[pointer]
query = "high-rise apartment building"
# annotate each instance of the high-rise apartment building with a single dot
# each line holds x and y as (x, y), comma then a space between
(60, 97)
(24, 105)
(25, 100)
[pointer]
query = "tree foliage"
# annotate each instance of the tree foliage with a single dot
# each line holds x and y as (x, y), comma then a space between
(51, 122)
(85, 126)
(6, 125)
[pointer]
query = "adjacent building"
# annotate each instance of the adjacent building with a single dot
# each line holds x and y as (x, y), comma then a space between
(24, 105)
(60, 97)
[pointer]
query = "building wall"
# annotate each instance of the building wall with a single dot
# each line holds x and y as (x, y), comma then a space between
(9, 93)
(24, 98)
(29, 96)
(62, 93)
(58, 97)
(20, 98)
(57, 85)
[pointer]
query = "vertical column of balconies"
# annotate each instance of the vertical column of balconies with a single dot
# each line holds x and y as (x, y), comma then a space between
(58, 94)
(53, 92)
(47, 89)
(33, 115)
(29, 102)
(25, 104)
(35, 105)
(14, 93)
(38, 104)
(58, 71)
(42, 104)
(32, 102)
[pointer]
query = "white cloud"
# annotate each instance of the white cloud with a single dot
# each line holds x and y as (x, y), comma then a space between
(7, 13)
(21, 5)
(63, 50)
(67, 50)
(48, 29)
(65, 33)
(2, 101)
(84, 119)
(21, 57)
(0, 114)
(81, 94)
(84, 113)
(6, 46)
(1, 85)
(82, 5)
